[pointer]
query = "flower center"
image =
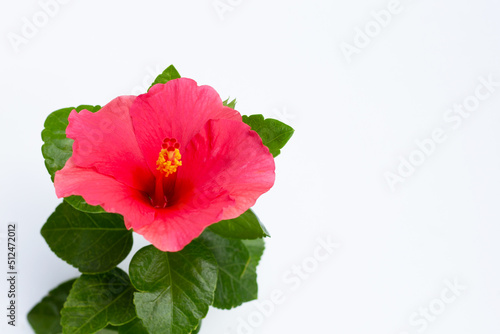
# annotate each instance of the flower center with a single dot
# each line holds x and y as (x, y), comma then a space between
(170, 157)
(168, 162)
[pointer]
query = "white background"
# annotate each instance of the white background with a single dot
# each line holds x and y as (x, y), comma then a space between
(353, 122)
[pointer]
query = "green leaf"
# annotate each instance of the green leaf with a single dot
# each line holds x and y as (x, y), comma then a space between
(246, 226)
(197, 330)
(108, 330)
(274, 133)
(237, 279)
(175, 289)
(170, 73)
(79, 203)
(256, 249)
(133, 327)
(58, 148)
(45, 317)
(96, 301)
(231, 104)
(93, 243)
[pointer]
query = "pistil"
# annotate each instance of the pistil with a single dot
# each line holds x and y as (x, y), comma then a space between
(167, 164)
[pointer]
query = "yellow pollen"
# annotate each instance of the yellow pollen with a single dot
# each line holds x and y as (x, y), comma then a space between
(168, 161)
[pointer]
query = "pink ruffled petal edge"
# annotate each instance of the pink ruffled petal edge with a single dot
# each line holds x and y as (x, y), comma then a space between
(229, 155)
(98, 189)
(106, 141)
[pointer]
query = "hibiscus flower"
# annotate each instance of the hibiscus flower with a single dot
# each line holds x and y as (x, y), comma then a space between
(172, 162)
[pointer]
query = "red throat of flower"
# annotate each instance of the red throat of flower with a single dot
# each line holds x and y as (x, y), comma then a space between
(168, 162)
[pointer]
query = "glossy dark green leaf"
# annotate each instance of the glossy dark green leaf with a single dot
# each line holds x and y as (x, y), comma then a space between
(93, 243)
(246, 226)
(96, 301)
(237, 279)
(175, 289)
(170, 73)
(57, 148)
(133, 327)
(274, 134)
(45, 317)
(230, 104)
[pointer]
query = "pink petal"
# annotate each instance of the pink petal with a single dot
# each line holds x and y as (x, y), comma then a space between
(227, 113)
(98, 189)
(177, 226)
(178, 109)
(225, 169)
(225, 165)
(229, 155)
(106, 141)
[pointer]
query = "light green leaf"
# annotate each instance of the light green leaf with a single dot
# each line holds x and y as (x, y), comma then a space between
(45, 317)
(231, 104)
(274, 133)
(175, 289)
(108, 330)
(256, 249)
(58, 148)
(79, 203)
(93, 243)
(237, 279)
(246, 226)
(96, 301)
(170, 73)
